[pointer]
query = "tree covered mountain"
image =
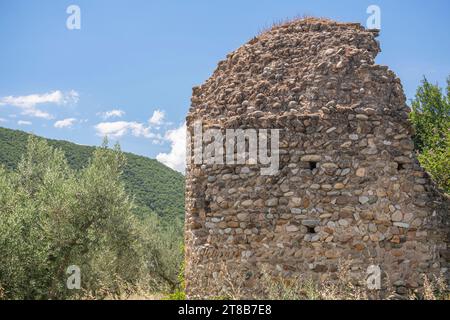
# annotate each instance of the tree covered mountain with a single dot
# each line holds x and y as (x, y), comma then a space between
(154, 186)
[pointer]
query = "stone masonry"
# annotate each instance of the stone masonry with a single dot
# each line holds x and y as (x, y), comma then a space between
(348, 186)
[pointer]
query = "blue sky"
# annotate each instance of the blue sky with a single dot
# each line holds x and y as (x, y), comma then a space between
(139, 59)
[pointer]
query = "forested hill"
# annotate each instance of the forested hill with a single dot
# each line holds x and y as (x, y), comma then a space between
(153, 185)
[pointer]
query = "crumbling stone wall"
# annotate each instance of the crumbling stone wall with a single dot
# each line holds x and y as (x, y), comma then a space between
(348, 187)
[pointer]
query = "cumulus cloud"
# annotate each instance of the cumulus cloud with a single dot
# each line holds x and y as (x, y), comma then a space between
(28, 104)
(3, 120)
(118, 129)
(176, 158)
(24, 123)
(157, 118)
(66, 123)
(115, 113)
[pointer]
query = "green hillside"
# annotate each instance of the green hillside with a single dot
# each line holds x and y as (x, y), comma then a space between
(153, 185)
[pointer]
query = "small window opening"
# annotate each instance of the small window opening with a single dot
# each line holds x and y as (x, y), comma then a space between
(207, 206)
(311, 230)
(400, 167)
(312, 165)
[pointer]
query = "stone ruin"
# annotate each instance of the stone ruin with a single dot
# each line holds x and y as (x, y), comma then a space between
(349, 186)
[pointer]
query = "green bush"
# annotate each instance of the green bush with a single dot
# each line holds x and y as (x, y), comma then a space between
(180, 290)
(53, 216)
(430, 117)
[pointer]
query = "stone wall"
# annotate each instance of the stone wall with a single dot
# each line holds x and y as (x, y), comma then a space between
(348, 186)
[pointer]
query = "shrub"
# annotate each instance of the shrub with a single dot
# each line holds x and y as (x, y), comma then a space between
(430, 117)
(52, 216)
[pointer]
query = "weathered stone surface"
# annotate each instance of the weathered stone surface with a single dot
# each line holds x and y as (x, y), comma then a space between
(311, 222)
(295, 201)
(291, 228)
(272, 202)
(363, 199)
(242, 216)
(401, 224)
(247, 203)
(361, 172)
(348, 183)
(397, 216)
(311, 157)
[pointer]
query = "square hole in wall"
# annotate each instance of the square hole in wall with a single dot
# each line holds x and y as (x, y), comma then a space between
(400, 166)
(311, 230)
(312, 165)
(207, 207)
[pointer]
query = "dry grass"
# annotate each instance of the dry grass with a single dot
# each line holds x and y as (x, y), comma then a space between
(300, 288)
(231, 286)
(346, 289)
(144, 290)
(297, 18)
(230, 283)
(435, 289)
(278, 288)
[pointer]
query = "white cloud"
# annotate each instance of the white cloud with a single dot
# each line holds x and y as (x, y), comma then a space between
(157, 118)
(24, 123)
(72, 97)
(118, 129)
(3, 120)
(115, 113)
(66, 123)
(28, 103)
(176, 158)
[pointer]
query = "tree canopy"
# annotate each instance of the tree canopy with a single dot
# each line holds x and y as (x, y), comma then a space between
(430, 117)
(53, 216)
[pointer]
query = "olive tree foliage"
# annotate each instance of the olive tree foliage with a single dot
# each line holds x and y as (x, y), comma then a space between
(430, 117)
(52, 217)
